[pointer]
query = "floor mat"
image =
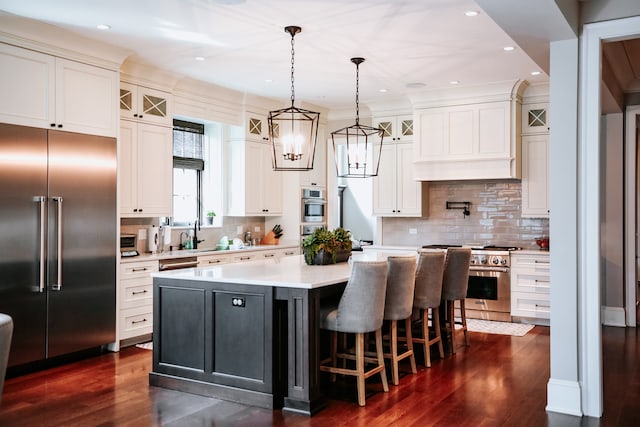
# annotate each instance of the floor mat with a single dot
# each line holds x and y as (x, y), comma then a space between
(145, 345)
(502, 328)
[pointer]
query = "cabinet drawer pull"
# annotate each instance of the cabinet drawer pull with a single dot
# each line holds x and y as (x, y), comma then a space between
(214, 261)
(541, 281)
(136, 269)
(139, 292)
(244, 258)
(133, 322)
(289, 253)
(541, 262)
(269, 255)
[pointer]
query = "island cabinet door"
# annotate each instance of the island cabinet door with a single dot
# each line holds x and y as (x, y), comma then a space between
(215, 334)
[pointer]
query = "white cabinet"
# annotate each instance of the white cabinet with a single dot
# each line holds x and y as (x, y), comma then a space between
(535, 161)
(135, 300)
(48, 92)
(395, 128)
(535, 118)
(254, 188)
(474, 141)
(530, 286)
(535, 176)
(145, 170)
(145, 104)
(395, 192)
(213, 260)
(256, 127)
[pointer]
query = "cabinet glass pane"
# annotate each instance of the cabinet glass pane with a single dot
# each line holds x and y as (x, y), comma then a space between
(154, 106)
(126, 100)
(386, 128)
(537, 117)
(407, 128)
(255, 126)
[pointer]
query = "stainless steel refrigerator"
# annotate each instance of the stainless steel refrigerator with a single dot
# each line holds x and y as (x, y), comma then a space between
(58, 226)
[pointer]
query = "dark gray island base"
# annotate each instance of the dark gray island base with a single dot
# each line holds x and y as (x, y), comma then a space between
(255, 342)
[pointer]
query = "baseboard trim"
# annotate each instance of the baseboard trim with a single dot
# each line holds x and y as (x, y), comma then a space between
(564, 397)
(613, 316)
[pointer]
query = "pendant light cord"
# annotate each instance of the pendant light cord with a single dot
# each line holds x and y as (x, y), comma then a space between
(357, 94)
(293, 53)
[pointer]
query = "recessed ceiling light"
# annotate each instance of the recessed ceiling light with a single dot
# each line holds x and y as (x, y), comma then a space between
(103, 27)
(383, 90)
(268, 80)
(199, 58)
(535, 73)
(508, 48)
(415, 85)
(472, 13)
(454, 82)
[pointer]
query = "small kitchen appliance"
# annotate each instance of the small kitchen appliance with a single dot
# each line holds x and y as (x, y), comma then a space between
(128, 245)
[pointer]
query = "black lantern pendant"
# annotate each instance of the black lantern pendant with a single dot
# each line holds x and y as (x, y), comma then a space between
(293, 131)
(357, 148)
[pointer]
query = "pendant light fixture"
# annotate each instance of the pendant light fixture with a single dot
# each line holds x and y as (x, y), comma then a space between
(357, 148)
(293, 131)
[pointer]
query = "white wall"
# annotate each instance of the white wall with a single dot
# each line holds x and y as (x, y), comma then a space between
(612, 221)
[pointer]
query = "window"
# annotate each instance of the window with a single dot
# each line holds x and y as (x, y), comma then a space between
(197, 172)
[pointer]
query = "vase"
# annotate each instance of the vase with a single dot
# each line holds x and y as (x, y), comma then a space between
(324, 258)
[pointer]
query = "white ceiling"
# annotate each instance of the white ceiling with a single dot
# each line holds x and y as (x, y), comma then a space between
(243, 42)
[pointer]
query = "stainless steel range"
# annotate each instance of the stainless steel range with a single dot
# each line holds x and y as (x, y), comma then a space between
(489, 290)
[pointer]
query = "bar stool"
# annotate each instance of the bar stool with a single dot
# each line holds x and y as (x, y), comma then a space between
(360, 311)
(401, 281)
(428, 292)
(6, 331)
(454, 288)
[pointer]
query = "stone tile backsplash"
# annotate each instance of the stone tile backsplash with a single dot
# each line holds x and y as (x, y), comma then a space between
(494, 217)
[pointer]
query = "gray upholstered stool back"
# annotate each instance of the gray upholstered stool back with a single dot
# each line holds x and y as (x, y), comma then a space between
(6, 330)
(401, 282)
(361, 307)
(456, 274)
(429, 275)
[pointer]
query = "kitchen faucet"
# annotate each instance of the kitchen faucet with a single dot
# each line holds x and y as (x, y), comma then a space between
(181, 245)
(196, 227)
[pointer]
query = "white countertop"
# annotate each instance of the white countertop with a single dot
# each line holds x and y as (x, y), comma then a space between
(290, 272)
(203, 252)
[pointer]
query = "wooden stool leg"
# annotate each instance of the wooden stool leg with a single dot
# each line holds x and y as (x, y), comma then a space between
(412, 356)
(360, 367)
(334, 351)
(463, 316)
(435, 316)
(452, 322)
(395, 376)
(425, 335)
(379, 351)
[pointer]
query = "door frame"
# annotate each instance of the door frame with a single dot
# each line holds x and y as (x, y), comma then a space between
(631, 211)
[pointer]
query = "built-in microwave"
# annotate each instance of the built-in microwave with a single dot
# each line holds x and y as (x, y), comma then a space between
(313, 205)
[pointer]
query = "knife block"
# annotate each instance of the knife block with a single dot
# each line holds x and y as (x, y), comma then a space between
(270, 239)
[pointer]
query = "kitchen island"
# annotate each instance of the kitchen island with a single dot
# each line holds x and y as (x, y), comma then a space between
(244, 332)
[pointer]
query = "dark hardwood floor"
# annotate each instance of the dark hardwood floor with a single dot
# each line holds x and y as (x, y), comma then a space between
(497, 381)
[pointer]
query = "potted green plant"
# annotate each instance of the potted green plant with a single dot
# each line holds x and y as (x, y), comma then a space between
(210, 216)
(327, 247)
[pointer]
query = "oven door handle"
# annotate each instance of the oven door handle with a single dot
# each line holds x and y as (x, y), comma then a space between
(314, 202)
(498, 269)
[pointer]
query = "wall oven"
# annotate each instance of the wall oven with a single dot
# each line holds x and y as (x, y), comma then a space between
(313, 206)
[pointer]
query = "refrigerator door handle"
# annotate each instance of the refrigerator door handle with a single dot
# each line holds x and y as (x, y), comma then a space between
(42, 200)
(58, 286)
